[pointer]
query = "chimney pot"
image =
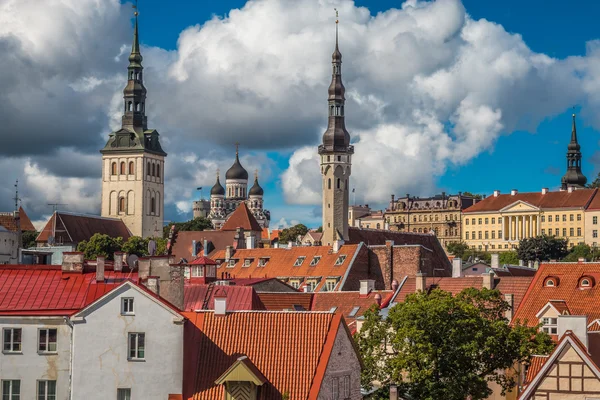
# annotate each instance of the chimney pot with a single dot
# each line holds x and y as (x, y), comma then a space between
(100, 268)
(496, 193)
(420, 282)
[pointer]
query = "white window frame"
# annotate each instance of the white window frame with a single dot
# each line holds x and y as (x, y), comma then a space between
(197, 271)
(11, 395)
(137, 336)
(43, 392)
(247, 262)
(299, 261)
(127, 306)
(12, 341)
(295, 283)
(47, 342)
(340, 260)
(315, 261)
(263, 261)
(124, 394)
(231, 263)
(550, 325)
(550, 283)
(588, 284)
(330, 285)
(346, 386)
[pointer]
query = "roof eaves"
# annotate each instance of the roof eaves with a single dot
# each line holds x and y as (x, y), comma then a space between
(327, 349)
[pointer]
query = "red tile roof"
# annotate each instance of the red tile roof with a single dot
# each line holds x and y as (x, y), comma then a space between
(291, 350)
(203, 261)
(281, 262)
(578, 300)
(594, 204)
(241, 218)
(238, 297)
(345, 302)
(286, 301)
(8, 221)
(535, 365)
(216, 240)
(594, 326)
(576, 199)
(74, 228)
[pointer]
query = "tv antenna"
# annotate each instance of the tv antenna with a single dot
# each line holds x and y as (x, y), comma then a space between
(16, 198)
(56, 205)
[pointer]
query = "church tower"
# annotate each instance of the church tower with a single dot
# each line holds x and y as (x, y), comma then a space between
(133, 160)
(574, 177)
(336, 158)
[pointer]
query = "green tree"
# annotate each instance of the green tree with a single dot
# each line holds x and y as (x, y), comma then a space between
(139, 246)
(582, 250)
(595, 183)
(475, 196)
(438, 346)
(100, 245)
(509, 257)
(196, 224)
(291, 234)
(29, 239)
(457, 249)
(320, 229)
(542, 248)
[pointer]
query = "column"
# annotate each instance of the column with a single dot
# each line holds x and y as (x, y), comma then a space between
(503, 233)
(530, 226)
(538, 225)
(517, 228)
(510, 225)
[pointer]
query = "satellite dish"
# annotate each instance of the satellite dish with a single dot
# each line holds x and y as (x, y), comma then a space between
(51, 240)
(151, 247)
(132, 261)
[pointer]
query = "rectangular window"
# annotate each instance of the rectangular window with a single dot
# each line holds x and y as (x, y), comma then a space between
(479, 221)
(467, 235)
(472, 221)
(197, 271)
(578, 217)
(466, 221)
(595, 220)
(137, 346)
(11, 390)
(479, 235)
(46, 390)
(549, 218)
(123, 394)
(493, 220)
(247, 262)
(556, 231)
(564, 217)
(543, 231)
(311, 285)
(571, 232)
(578, 231)
(295, 283)
(594, 233)
(499, 234)
(473, 235)
(231, 263)
(354, 311)
(299, 261)
(12, 340)
(486, 235)
(47, 341)
(493, 246)
(486, 221)
(262, 262)
(330, 285)
(340, 260)
(564, 232)
(335, 388)
(315, 261)
(571, 217)
(543, 218)
(493, 234)
(127, 305)
(346, 386)
(549, 325)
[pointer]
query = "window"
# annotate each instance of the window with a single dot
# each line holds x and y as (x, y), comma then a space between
(346, 386)
(543, 231)
(154, 170)
(329, 183)
(340, 260)
(247, 262)
(549, 218)
(315, 261)
(11, 390)
(564, 232)
(153, 205)
(543, 218)
(354, 311)
(595, 220)
(197, 271)
(578, 231)
(131, 168)
(123, 171)
(585, 283)
(549, 325)
(493, 220)
(311, 285)
(137, 346)
(231, 263)
(493, 235)
(564, 217)
(127, 305)
(330, 285)
(571, 217)
(335, 388)
(556, 232)
(473, 235)
(46, 390)
(500, 234)
(467, 235)
(158, 170)
(479, 221)
(295, 283)
(122, 204)
(148, 169)
(47, 340)
(299, 261)
(472, 221)
(113, 170)
(486, 234)
(123, 394)
(486, 221)
(262, 262)
(506, 246)
(594, 233)
(12, 340)
(467, 221)
(479, 235)
(578, 217)
(550, 283)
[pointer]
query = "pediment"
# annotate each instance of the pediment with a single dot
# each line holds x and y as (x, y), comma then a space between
(520, 206)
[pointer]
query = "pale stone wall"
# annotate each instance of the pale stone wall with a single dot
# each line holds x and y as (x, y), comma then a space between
(9, 247)
(335, 200)
(592, 230)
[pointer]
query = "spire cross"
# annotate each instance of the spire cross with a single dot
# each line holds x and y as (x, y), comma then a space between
(337, 21)
(135, 7)
(218, 172)
(237, 148)
(256, 174)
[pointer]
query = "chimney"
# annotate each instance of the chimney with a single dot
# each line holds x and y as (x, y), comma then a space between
(238, 239)
(514, 192)
(394, 285)
(337, 245)
(228, 252)
(510, 299)
(496, 193)
(290, 244)
(570, 189)
(205, 248)
(456, 267)
(536, 264)
(194, 249)
(488, 280)
(581, 260)
(305, 288)
(72, 261)
(420, 281)
(544, 190)
(153, 285)
(118, 263)
(250, 241)
(378, 299)
(393, 392)
(530, 264)
(495, 260)
(220, 302)
(575, 323)
(521, 263)
(100, 269)
(366, 287)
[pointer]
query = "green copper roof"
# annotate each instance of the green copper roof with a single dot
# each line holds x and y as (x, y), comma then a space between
(135, 58)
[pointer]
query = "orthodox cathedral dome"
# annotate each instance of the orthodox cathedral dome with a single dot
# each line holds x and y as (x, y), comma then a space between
(256, 190)
(236, 171)
(217, 189)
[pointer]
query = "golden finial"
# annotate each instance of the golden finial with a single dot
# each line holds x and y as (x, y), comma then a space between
(337, 14)
(256, 174)
(135, 7)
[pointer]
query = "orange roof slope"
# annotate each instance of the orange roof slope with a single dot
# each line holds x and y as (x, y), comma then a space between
(74, 228)
(346, 302)
(241, 218)
(286, 300)
(578, 300)
(238, 298)
(216, 240)
(8, 221)
(281, 262)
(286, 347)
(576, 199)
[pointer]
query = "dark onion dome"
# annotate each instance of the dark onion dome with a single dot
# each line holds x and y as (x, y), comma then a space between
(256, 190)
(236, 171)
(217, 190)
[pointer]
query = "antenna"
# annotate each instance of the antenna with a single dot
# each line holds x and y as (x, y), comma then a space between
(16, 198)
(55, 206)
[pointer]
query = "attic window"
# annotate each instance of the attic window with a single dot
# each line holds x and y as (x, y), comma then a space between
(549, 325)
(262, 262)
(340, 260)
(330, 284)
(354, 311)
(295, 283)
(315, 261)
(332, 309)
(231, 263)
(247, 262)
(311, 284)
(299, 261)
(551, 282)
(586, 282)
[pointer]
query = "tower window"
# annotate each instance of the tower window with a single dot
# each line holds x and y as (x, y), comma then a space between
(328, 183)
(148, 169)
(339, 158)
(153, 170)
(114, 168)
(131, 168)
(130, 106)
(158, 171)
(138, 107)
(123, 170)
(153, 205)
(122, 204)
(339, 183)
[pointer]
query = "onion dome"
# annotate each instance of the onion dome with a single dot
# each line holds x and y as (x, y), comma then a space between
(256, 190)
(236, 171)
(217, 190)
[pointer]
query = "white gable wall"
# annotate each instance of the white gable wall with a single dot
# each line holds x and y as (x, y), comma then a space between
(100, 362)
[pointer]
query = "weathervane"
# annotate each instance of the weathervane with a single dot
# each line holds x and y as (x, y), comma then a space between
(135, 7)
(237, 148)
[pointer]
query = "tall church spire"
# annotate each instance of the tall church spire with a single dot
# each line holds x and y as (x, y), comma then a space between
(134, 94)
(574, 177)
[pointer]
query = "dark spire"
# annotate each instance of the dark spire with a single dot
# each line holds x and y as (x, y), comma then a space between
(135, 58)
(336, 137)
(574, 177)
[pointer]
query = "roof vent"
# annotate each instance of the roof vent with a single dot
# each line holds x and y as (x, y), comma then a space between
(514, 192)
(544, 190)
(570, 189)
(496, 193)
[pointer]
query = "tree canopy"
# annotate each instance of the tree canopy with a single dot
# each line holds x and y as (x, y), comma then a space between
(542, 248)
(582, 250)
(438, 346)
(291, 234)
(28, 238)
(595, 183)
(196, 224)
(104, 245)
(457, 249)
(509, 257)
(475, 196)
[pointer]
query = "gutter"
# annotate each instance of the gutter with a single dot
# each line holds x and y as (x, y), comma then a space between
(70, 393)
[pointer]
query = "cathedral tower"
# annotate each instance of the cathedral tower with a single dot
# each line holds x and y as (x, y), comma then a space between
(133, 160)
(574, 177)
(336, 158)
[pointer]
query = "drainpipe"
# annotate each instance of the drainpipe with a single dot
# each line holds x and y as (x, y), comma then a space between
(70, 395)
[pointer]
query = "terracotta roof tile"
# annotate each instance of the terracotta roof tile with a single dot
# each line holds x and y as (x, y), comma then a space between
(288, 348)
(286, 301)
(576, 199)
(216, 240)
(8, 221)
(241, 218)
(346, 302)
(74, 228)
(579, 301)
(535, 366)
(238, 297)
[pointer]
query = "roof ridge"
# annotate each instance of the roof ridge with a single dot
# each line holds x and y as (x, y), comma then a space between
(87, 215)
(269, 312)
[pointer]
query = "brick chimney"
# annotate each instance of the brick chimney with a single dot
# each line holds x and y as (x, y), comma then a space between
(420, 281)
(488, 280)
(100, 268)
(118, 263)
(152, 283)
(72, 261)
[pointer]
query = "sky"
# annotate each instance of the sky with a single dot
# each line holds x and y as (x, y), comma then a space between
(441, 96)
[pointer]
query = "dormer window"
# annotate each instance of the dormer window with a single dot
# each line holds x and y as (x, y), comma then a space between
(231, 263)
(262, 262)
(551, 281)
(340, 260)
(586, 282)
(315, 261)
(549, 325)
(247, 262)
(299, 261)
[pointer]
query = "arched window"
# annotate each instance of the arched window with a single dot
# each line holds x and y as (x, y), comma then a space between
(123, 170)
(338, 183)
(143, 107)
(114, 168)
(130, 106)
(158, 170)
(153, 205)
(378, 226)
(153, 170)
(329, 183)
(131, 168)
(148, 169)
(138, 107)
(122, 207)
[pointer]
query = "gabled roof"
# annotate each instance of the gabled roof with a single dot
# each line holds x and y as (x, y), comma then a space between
(241, 218)
(535, 364)
(569, 340)
(281, 262)
(291, 350)
(202, 260)
(238, 297)
(286, 301)
(579, 301)
(576, 199)
(8, 221)
(216, 240)
(240, 369)
(346, 302)
(560, 306)
(74, 228)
